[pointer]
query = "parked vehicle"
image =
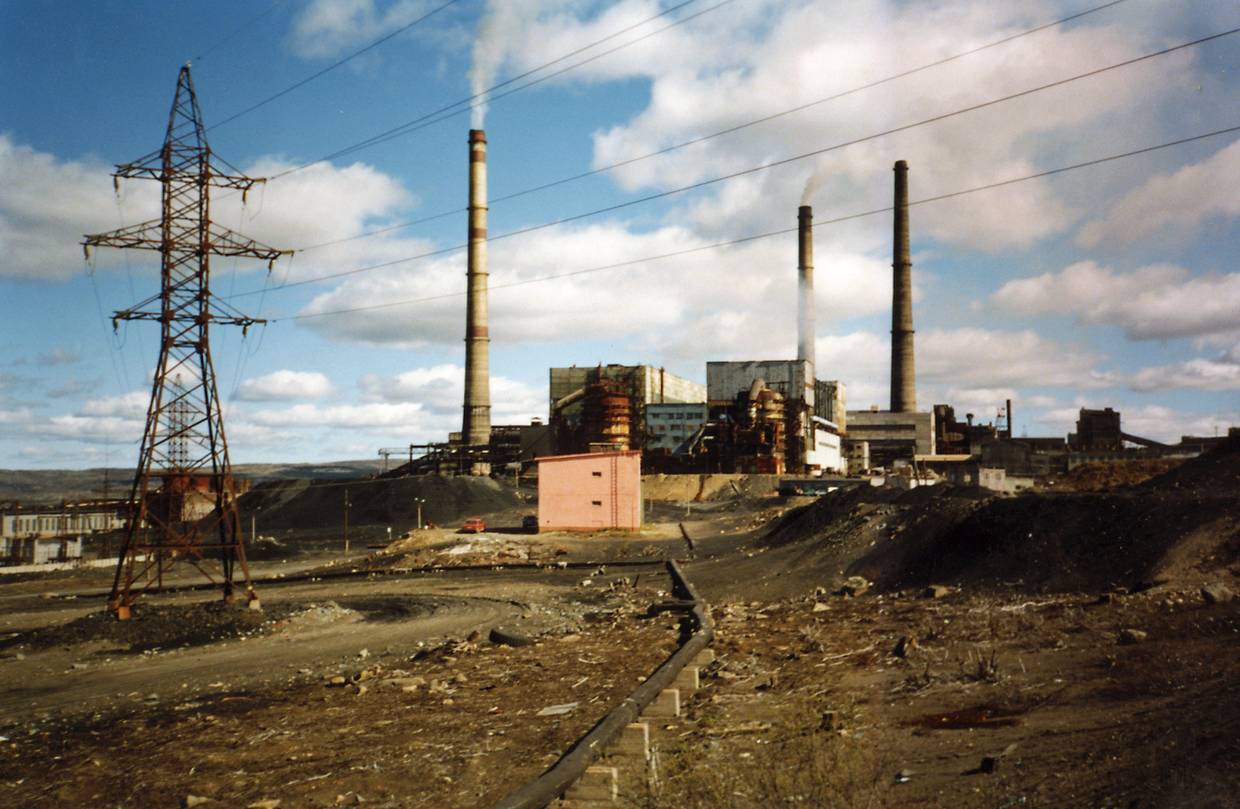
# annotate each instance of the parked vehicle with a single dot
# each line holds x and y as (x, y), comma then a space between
(474, 525)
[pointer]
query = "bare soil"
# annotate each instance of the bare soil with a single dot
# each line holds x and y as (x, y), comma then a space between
(1047, 649)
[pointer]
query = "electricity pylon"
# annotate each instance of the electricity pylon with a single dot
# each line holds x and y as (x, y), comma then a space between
(192, 517)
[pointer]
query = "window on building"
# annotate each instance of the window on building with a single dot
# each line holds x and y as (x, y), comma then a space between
(597, 474)
(596, 502)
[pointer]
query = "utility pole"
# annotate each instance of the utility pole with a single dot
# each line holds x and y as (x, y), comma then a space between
(419, 501)
(183, 441)
(346, 520)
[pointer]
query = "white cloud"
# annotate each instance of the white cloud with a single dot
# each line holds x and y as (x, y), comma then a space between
(1199, 373)
(285, 384)
(131, 405)
(967, 367)
(765, 58)
(327, 27)
(1174, 205)
(440, 390)
(378, 415)
(47, 205)
(1154, 302)
(978, 357)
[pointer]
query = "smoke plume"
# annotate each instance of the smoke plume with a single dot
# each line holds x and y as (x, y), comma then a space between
(497, 27)
(812, 184)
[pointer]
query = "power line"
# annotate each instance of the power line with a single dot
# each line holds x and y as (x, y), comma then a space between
(334, 65)
(727, 131)
(240, 30)
(781, 232)
(754, 169)
(488, 95)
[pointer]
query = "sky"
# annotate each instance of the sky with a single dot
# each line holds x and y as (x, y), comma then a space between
(1112, 284)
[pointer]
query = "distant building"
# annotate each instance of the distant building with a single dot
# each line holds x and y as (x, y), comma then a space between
(892, 436)
(1097, 430)
(772, 417)
(593, 491)
(671, 424)
(603, 407)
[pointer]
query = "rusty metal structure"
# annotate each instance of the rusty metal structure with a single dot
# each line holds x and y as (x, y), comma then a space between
(750, 434)
(183, 442)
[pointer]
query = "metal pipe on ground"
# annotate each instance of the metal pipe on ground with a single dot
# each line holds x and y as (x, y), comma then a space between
(552, 783)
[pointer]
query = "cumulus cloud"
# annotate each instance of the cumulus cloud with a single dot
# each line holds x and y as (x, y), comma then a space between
(379, 415)
(440, 390)
(967, 367)
(810, 51)
(285, 384)
(1154, 302)
(48, 204)
(1199, 373)
(1172, 205)
(328, 27)
(735, 298)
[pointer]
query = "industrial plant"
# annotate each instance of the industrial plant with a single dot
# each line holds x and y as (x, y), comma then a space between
(703, 576)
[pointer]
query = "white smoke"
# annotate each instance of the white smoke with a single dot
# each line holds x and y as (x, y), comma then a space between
(498, 27)
(812, 184)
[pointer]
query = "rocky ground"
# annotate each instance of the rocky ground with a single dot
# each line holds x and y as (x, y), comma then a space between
(939, 647)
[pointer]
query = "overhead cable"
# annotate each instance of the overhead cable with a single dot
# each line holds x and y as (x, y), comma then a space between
(333, 66)
(782, 232)
(754, 169)
(721, 132)
(489, 95)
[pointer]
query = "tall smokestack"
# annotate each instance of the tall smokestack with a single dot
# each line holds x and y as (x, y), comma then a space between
(476, 427)
(805, 284)
(903, 378)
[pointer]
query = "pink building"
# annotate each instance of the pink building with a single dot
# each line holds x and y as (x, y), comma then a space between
(590, 492)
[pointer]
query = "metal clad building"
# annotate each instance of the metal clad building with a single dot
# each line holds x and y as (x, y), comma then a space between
(649, 384)
(670, 424)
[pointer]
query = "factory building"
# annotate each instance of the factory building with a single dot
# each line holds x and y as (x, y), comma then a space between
(766, 416)
(892, 436)
(592, 491)
(1097, 430)
(604, 407)
(62, 521)
(670, 425)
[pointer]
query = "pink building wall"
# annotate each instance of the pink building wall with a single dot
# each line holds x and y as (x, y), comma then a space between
(590, 492)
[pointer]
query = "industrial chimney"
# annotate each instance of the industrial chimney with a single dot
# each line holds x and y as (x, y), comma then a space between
(476, 427)
(903, 378)
(805, 284)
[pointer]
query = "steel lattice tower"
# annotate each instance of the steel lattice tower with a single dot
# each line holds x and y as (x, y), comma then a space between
(183, 442)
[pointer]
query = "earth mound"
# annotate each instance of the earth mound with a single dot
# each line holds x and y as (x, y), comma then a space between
(310, 505)
(1180, 524)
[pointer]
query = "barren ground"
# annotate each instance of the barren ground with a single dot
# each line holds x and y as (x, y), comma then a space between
(888, 698)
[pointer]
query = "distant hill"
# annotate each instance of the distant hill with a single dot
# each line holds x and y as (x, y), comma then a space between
(50, 486)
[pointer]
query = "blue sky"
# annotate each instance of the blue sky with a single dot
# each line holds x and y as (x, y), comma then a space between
(1111, 285)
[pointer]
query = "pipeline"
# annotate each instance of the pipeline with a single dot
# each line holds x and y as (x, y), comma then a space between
(572, 765)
